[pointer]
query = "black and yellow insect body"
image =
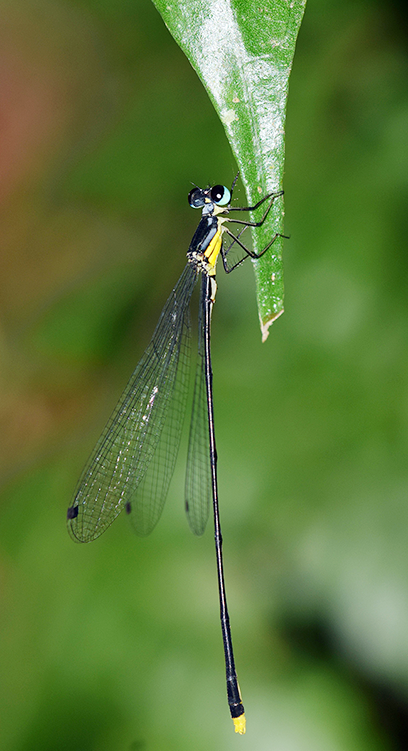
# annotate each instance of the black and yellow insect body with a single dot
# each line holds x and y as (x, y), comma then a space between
(133, 461)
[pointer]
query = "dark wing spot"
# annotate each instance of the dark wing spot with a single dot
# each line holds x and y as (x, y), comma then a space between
(128, 507)
(72, 512)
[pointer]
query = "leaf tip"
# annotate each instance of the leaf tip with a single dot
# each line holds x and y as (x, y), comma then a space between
(267, 323)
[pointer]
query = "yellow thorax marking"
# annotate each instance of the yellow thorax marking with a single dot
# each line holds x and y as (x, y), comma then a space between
(213, 250)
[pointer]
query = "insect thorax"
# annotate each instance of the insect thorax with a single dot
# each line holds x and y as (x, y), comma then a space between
(205, 245)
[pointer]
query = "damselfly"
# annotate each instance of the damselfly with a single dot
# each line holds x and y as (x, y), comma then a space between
(132, 463)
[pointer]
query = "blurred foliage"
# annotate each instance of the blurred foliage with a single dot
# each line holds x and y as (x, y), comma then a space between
(116, 645)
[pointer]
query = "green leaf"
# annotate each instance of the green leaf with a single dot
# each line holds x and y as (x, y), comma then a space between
(243, 51)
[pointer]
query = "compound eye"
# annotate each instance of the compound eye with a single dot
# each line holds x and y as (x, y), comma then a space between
(220, 195)
(196, 198)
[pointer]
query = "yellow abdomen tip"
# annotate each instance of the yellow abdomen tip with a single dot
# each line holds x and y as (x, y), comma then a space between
(240, 724)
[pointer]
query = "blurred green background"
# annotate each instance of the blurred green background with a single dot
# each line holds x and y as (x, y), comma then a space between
(117, 645)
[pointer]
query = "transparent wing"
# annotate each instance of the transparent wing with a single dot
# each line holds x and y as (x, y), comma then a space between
(198, 473)
(146, 503)
(121, 457)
